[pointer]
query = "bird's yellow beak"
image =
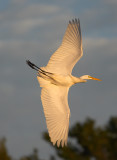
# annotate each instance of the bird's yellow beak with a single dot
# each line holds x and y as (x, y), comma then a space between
(95, 79)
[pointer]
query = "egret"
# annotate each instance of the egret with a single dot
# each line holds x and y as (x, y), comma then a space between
(56, 79)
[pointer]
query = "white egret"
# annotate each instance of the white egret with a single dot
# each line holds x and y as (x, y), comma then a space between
(56, 79)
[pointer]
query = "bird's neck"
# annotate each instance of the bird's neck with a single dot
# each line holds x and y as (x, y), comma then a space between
(78, 80)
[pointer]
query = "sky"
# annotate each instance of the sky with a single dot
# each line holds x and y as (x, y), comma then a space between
(33, 30)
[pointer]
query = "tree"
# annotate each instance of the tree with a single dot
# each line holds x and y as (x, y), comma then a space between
(3, 151)
(33, 156)
(111, 128)
(86, 141)
(90, 141)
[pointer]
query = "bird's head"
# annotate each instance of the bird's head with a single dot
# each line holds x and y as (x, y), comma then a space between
(87, 77)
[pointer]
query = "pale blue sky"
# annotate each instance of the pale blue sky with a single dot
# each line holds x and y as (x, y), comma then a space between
(33, 30)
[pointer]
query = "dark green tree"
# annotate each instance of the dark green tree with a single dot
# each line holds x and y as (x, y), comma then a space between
(3, 150)
(86, 141)
(33, 156)
(111, 128)
(89, 141)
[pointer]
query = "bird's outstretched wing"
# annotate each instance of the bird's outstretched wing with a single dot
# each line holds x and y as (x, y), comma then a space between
(57, 113)
(69, 52)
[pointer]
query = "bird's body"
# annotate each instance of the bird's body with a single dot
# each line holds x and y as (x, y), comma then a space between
(60, 80)
(56, 79)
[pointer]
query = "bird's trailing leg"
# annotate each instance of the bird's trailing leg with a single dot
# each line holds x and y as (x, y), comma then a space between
(41, 72)
(33, 66)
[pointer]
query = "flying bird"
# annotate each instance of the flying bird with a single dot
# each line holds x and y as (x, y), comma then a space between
(56, 79)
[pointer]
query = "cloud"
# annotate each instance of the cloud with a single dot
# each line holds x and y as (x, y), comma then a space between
(112, 2)
(37, 10)
(99, 19)
(17, 2)
(101, 52)
(24, 19)
(24, 26)
(106, 44)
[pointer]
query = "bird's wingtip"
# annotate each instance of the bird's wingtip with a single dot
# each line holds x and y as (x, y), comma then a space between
(75, 20)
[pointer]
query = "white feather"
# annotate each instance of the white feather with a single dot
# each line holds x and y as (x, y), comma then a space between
(57, 113)
(69, 52)
(54, 93)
